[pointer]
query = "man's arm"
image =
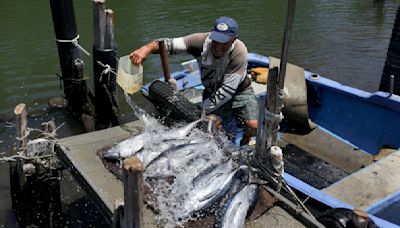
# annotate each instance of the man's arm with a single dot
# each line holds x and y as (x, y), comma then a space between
(138, 56)
(192, 44)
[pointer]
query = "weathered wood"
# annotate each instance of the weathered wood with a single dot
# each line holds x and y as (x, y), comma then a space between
(105, 65)
(49, 127)
(74, 81)
(21, 125)
(133, 192)
(266, 136)
(118, 215)
(99, 23)
(22, 139)
(164, 60)
(109, 33)
(17, 176)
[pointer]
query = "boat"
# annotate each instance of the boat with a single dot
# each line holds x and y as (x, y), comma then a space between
(340, 144)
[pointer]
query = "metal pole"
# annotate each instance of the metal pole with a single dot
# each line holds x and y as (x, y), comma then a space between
(273, 104)
(286, 40)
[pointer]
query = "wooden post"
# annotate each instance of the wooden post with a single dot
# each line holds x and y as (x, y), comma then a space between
(109, 42)
(22, 139)
(21, 125)
(17, 176)
(118, 216)
(104, 55)
(265, 137)
(133, 192)
(272, 126)
(164, 60)
(75, 88)
(99, 23)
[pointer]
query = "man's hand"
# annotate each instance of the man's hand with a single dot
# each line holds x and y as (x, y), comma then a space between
(138, 56)
(216, 120)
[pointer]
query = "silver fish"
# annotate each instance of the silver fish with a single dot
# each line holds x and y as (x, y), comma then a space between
(183, 149)
(210, 188)
(185, 130)
(128, 147)
(237, 208)
(133, 145)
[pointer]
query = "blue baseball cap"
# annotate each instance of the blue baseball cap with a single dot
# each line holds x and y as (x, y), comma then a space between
(225, 28)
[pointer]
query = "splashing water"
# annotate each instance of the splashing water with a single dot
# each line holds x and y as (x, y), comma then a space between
(180, 154)
(148, 120)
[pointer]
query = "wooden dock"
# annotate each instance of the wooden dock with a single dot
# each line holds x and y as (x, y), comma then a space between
(79, 154)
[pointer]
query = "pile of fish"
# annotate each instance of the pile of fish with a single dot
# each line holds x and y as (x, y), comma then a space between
(206, 179)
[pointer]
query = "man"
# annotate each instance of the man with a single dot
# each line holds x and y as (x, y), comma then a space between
(222, 59)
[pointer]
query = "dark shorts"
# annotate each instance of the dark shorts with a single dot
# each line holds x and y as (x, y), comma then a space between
(241, 108)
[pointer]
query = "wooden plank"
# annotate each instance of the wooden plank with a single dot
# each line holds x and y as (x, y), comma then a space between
(309, 168)
(369, 185)
(330, 149)
(78, 154)
(275, 217)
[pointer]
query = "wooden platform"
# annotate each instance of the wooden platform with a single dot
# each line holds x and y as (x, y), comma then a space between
(78, 154)
(330, 149)
(369, 185)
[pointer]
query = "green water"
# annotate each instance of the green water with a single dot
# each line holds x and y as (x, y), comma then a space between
(344, 40)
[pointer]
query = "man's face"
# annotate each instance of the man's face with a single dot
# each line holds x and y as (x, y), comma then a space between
(219, 49)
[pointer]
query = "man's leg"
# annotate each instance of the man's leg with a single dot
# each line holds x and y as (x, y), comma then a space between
(248, 115)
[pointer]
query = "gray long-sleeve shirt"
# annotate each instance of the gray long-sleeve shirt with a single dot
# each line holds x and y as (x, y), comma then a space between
(220, 76)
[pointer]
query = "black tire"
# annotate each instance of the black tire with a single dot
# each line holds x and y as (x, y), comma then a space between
(342, 217)
(171, 103)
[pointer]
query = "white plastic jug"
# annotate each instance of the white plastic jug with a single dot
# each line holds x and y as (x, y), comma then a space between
(129, 76)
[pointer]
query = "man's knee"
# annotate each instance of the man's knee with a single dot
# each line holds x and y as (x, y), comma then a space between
(251, 128)
(251, 124)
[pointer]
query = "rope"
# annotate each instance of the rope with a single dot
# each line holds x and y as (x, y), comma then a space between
(272, 117)
(288, 189)
(75, 42)
(106, 71)
(281, 93)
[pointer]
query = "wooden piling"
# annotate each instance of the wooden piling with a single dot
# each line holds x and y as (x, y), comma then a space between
(109, 42)
(21, 125)
(133, 192)
(118, 216)
(105, 65)
(74, 81)
(99, 23)
(17, 176)
(35, 190)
